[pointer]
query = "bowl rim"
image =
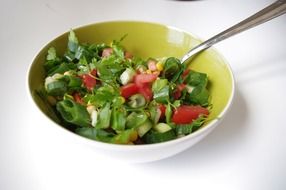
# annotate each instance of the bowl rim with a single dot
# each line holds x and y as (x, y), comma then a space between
(212, 123)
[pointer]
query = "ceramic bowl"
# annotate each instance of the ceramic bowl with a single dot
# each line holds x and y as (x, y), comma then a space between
(145, 40)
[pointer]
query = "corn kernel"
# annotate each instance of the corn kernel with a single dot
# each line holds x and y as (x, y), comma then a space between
(133, 136)
(149, 71)
(159, 66)
(122, 99)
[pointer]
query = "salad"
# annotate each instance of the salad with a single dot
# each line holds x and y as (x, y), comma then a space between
(104, 93)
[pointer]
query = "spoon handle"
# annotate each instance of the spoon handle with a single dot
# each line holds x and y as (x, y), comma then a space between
(274, 10)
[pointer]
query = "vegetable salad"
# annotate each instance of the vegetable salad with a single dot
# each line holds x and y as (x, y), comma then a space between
(104, 93)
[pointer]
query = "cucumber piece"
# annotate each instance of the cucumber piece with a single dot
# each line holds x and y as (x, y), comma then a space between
(162, 127)
(144, 128)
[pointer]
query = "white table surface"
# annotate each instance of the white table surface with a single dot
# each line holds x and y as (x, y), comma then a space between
(246, 152)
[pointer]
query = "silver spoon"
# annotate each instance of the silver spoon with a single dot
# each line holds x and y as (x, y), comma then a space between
(274, 10)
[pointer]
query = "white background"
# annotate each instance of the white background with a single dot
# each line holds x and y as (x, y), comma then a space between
(246, 152)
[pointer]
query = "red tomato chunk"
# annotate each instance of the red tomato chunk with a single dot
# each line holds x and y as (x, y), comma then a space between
(129, 90)
(186, 114)
(89, 81)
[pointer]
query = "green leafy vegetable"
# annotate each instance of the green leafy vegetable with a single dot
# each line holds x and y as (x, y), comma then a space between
(171, 67)
(72, 42)
(199, 95)
(52, 55)
(110, 68)
(118, 49)
(102, 95)
(52, 61)
(178, 75)
(88, 52)
(196, 79)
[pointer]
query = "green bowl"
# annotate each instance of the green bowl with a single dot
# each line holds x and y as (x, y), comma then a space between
(146, 40)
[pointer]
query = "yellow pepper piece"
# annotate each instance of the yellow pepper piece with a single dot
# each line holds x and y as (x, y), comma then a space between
(159, 66)
(149, 71)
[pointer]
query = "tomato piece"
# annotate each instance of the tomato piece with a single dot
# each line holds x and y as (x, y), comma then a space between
(181, 87)
(162, 108)
(93, 72)
(152, 65)
(146, 91)
(78, 98)
(89, 81)
(107, 52)
(186, 114)
(128, 90)
(143, 82)
(177, 94)
(140, 79)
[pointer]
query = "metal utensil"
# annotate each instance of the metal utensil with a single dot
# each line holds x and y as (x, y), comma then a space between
(274, 10)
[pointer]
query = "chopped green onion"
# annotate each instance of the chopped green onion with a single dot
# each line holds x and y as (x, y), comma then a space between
(56, 88)
(144, 128)
(135, 119)
(137, 101)
(127, 76)
(160, 89)
(74, 113)
(162, 127)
